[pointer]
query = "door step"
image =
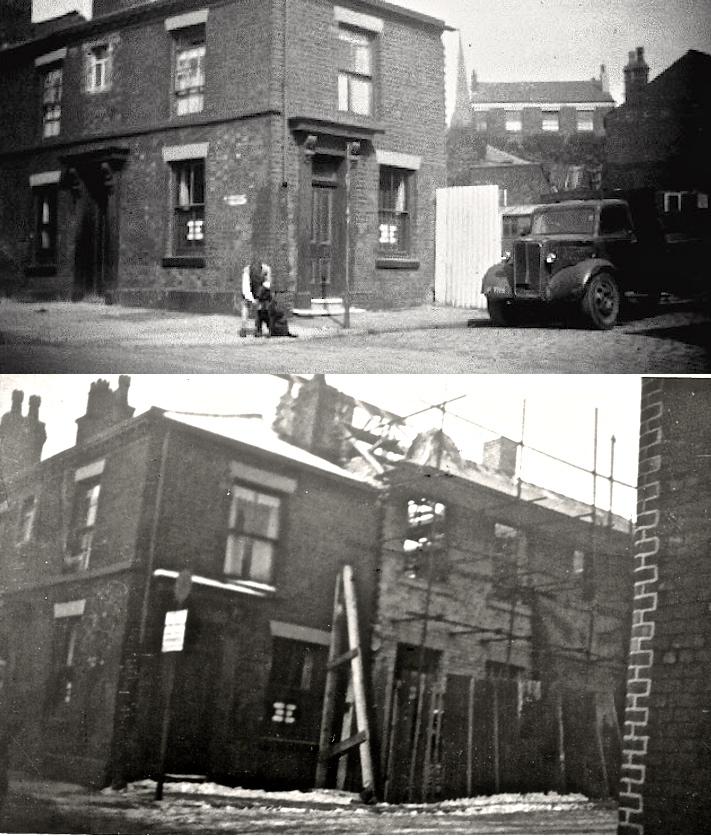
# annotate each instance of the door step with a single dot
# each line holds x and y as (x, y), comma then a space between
(330, 306)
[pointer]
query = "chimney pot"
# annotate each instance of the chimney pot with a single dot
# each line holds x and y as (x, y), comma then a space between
(33, 408)
(17, 397)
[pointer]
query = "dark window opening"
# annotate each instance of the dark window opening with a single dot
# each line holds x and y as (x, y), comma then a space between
(508, 543)
(51, 102)
(64, 651)
(45, 200)
(26, 521)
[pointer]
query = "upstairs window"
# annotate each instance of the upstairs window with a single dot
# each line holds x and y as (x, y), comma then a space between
(64, 653)
(98, 68)
(83, 522)
(394, 216)
(513, 121)
(189, 207)
(253, 534)
(425, 546)
(51, 102)
(507, 548)
(189, 86)
(355, 71)
(551, 120)
(45, 203)
(26, 520)
(586, 120)
(583, 572)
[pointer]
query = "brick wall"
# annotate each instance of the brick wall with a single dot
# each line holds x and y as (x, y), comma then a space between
(666, 765)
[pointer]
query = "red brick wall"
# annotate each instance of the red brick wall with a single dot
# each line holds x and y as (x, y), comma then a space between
(666, 763)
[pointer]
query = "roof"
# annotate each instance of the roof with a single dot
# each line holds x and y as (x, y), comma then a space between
(532, 496)
(255, 432)
(540, 92)
(520, 209)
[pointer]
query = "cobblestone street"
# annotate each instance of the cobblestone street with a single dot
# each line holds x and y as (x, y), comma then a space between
(60, 337)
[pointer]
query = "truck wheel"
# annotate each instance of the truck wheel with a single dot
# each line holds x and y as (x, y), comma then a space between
(500, 313)
(601, 302)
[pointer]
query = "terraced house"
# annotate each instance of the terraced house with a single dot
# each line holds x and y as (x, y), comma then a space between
(156, 148)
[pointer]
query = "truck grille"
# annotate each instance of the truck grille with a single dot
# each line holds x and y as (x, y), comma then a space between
(527, 265)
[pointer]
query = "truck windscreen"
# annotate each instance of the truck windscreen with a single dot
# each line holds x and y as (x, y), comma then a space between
(578, 220)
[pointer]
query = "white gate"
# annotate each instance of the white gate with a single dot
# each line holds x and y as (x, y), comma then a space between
(468, 242)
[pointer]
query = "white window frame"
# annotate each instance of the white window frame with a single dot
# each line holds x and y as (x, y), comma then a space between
(514, 121)
(99, 70)
(189, 43)
(585, 120)
(237, 533)
(356, 89)
(26, 519)
(52, 105)
(550, 121)
(87, 484)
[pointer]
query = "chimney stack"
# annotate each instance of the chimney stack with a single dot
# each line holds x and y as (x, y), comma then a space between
(104, 408)
(21, 437)
(312, 415)
(500, 454)
(604, 80)
(636, 75)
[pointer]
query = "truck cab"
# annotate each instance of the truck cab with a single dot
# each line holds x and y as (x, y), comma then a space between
(584, 253)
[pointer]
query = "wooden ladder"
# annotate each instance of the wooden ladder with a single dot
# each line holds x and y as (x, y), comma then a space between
(345, 626)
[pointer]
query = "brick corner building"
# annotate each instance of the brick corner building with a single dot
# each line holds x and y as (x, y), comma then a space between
(157, 148)
(666, 769)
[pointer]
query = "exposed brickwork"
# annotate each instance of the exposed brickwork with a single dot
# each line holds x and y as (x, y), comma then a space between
(666, 768)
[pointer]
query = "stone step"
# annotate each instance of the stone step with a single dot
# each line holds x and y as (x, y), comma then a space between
(330, 306)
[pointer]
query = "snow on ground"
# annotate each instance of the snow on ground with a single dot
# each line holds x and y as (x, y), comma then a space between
(335, 799)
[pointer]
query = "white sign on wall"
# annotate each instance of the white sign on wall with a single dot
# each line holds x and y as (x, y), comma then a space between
(174, 631)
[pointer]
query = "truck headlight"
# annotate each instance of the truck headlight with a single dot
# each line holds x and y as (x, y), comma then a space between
(550, 258)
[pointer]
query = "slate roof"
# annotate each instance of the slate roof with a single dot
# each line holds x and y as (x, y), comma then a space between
(534, 92)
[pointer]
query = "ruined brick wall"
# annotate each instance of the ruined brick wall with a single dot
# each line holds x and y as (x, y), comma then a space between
(666, 763)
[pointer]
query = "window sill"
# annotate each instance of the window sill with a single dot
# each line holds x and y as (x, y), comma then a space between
(397, 263)
(41, 270)
(184, 261)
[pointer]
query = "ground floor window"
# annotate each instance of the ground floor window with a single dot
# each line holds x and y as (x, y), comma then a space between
(64, 652)
(189, 207)
(45, 210)
(395, 199)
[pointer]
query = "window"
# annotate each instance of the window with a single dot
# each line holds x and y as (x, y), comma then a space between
(355, 74)
(583, 573)
(45, 202)
(513, 121)
(508, 544)
(480, 118)
(81, 534)
(551, 120)
(189, 207)
(295, 690)
(64, 650)
(253, 532)
(51, 102)
(190, 70)
(426, 539)
(26, 521)
(502, 670)
(586, 120)
(99, 68)
(614, 220)
(394, 217)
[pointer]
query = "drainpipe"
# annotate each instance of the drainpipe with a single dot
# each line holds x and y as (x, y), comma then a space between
(284, 95)
(153, 539)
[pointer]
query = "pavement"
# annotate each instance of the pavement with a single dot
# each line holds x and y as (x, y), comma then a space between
(82, 323)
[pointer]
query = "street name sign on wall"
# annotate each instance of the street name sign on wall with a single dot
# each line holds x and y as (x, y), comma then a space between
(174, 631)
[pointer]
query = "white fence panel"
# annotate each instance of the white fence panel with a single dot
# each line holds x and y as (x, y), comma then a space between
(468, 242)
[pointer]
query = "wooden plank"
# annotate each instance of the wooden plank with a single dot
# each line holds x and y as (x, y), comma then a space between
(344, 657)
(329, 694)
(346, 728)
(366, 763)
(344, 746)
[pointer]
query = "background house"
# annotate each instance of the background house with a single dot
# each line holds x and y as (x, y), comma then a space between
(659, 136)
(157, 148)
(666, 764)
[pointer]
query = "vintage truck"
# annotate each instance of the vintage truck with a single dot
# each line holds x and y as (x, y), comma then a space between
(589, 256)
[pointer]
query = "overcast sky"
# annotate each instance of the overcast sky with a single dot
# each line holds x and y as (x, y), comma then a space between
(560, 411)
(547, 40)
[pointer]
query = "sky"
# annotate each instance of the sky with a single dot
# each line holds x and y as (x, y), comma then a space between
(560, 413)
(546, 40)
